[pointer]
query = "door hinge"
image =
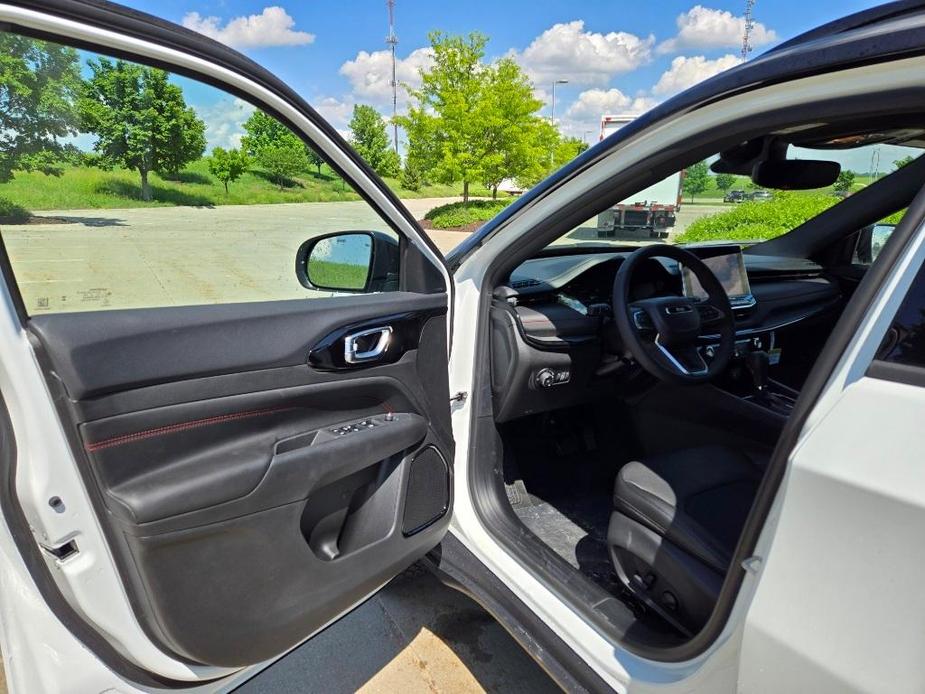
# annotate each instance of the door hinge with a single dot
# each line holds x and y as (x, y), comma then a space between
(460, 397)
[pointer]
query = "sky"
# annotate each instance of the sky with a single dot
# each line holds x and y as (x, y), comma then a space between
(618, 56)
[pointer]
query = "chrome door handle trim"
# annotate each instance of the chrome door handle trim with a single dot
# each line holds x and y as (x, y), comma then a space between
(352, 353)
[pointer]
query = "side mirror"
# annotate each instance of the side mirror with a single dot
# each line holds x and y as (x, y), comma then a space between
(871, 240)
(349, 261)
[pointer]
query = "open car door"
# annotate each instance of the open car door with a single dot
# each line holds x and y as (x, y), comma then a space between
(231, 455)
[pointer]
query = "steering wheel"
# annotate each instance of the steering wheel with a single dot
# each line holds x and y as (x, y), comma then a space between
(662, 333)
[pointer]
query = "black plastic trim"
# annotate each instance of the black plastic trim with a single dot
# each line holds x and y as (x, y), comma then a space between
(328, 354)
(897, 373)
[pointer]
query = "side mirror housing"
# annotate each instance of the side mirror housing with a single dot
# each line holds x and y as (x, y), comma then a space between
(349, 261)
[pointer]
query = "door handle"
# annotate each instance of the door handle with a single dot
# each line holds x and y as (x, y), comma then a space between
(367, 345)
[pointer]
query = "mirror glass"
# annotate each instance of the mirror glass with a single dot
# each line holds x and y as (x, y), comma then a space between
(340, 262)
(879, 235)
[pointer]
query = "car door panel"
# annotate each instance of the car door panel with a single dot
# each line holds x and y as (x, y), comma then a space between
(242, 517)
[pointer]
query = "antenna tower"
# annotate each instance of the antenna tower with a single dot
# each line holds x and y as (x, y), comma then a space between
(749, 25)
(392, 41)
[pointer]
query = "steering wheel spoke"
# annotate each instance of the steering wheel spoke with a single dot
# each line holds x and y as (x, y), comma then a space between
(685, 360)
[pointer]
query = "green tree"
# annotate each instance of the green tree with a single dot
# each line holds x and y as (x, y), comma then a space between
(275, 148)
(507, 111)
(567, 149)
(444, 127)
(544, 144)
(140, 119)
(39, 86)
(314, 159)
(696, 179)
(282, 162)
(391, 164)
(228, 165)
(844, 181)
(412, 178)
(261, 130)
(370, 139)
(725, 181)
(904, 161)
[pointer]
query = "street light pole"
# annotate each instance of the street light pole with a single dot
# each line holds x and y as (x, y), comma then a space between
(552, 118)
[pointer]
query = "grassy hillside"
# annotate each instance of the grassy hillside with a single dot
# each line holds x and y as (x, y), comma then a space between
(81, 188)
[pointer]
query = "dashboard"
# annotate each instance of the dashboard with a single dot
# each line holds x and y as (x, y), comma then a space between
(551, 321)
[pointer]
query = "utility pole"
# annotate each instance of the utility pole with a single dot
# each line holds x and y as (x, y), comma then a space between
(392, 41)
(749, 25)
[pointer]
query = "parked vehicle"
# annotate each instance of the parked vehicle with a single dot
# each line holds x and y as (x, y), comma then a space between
(735, 196)
(649, 213)
(668, 468)
(760, 195)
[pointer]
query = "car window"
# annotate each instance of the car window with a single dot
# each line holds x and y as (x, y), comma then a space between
(124, 186)
(698, 205)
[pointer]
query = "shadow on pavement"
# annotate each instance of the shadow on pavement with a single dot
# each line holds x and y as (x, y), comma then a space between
(415, 635)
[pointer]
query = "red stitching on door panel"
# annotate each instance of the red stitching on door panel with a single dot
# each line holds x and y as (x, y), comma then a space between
(183, 426)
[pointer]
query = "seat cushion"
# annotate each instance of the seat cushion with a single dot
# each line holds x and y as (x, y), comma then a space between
(697, 498)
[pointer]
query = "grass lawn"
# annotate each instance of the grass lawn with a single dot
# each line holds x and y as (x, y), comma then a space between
(83, 188)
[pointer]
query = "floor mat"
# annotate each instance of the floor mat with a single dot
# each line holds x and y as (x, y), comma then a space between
(579, 537)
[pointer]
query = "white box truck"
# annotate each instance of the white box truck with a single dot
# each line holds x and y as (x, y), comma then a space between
(648, 214)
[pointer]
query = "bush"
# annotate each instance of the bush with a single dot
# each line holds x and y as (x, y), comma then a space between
(11, 213)
(458, 214)
(758, 221)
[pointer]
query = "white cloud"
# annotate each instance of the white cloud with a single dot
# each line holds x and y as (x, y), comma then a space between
(272, 27)
(567, 51)
(594, 103)
(583, 117)
(703, 28)
(225, 121)
(335, 111)
(686, 72)
(370, 74)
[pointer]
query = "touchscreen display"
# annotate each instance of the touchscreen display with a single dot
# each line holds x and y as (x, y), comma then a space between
(729, 269)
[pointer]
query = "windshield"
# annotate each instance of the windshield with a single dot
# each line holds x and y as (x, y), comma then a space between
(698, 205)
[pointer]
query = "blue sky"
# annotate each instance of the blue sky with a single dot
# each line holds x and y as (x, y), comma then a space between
(618, 56)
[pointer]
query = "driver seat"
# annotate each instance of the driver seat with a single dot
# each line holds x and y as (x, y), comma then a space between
(676, 522)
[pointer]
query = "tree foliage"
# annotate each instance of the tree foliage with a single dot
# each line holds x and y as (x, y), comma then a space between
(228, 165)
(444, 127)
(903, 161)
(507, 111)
(371, 141)
(39, 86)
(140, 119)
(314, 159)
(844, 181)
(696, 179)
(725, 181)
(275, 148)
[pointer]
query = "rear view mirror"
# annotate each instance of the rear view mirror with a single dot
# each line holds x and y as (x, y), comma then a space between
(795, 174)
(349, 261)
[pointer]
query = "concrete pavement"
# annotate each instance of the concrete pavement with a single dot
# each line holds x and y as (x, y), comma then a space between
(416, 635)
(173, 256)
